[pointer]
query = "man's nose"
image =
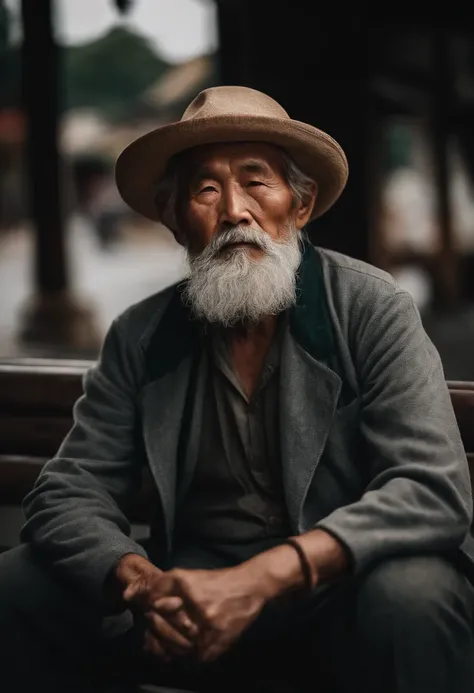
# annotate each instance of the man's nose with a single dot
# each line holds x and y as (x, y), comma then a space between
(234, 210)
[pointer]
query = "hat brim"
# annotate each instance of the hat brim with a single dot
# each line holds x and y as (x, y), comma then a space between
(142, 164)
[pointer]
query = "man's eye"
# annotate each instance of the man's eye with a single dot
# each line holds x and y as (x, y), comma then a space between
(208, 188)
(254, 183)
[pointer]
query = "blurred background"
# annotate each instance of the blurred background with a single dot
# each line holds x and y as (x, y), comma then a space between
(80, 79)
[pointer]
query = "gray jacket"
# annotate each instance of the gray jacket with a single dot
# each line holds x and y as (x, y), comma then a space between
(370, 448)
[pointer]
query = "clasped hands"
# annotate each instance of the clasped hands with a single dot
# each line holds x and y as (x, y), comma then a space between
(198, 613)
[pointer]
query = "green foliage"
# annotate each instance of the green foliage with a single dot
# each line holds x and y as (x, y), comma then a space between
(110, 73)
(9, 62)
(10, 77)
(5, 21)
(399, 144)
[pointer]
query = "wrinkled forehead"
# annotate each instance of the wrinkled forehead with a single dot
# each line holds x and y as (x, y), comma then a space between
(252, 156)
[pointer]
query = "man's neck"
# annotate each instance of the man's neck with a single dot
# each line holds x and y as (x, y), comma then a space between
(248, 346)
(262, 331)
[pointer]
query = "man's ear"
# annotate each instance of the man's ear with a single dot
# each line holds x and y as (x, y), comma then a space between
(167, 214)
(180, 236)
(304, 208)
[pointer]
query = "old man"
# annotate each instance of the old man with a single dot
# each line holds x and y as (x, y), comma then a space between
(312, 492)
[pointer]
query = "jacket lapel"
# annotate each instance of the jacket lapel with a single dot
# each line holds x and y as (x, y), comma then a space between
(167, 402)
(310, 387)
(163, 404)
(309, 394)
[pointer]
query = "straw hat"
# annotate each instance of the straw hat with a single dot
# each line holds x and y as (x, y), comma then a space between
(230, 114)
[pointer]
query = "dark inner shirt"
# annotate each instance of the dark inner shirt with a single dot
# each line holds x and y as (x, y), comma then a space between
(236, 495)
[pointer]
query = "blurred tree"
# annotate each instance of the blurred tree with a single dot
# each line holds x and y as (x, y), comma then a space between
(123, 5)
(4, 25)
(109, 73)
(398, 145)
(9, 62)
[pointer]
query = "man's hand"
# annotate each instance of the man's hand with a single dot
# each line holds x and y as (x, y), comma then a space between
(225, 602)
(208, 608)
(205, 611)
(222, 602)
(171, 632)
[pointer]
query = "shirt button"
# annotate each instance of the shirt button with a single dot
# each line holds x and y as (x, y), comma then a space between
(274, 521)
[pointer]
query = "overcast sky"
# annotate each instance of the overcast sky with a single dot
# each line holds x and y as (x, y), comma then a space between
(181, 29)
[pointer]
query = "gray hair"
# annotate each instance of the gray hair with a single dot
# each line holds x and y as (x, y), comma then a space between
(166, 197)
(299, 183)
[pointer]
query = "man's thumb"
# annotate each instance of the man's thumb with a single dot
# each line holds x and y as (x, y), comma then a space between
(134, 591)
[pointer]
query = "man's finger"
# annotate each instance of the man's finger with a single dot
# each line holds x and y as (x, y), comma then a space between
(172, 608)
(167, 633)
(133, 591)
(168, 605)
(212, 645)
(214, 651)
(185, 625)
(152, 645)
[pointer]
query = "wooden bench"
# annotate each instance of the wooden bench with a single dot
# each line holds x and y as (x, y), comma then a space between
(36, 401)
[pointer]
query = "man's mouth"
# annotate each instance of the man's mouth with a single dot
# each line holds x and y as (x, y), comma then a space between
(241, 244)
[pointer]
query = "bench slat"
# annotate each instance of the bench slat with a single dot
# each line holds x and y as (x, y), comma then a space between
(42, 390)
(17, 477)
(40, 436)
(18, 474)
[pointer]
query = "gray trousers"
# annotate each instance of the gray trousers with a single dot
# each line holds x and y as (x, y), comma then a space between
(405, 626)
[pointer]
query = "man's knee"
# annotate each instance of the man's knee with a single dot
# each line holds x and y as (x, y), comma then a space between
(22, 581)
(30, 590)
(413, 592)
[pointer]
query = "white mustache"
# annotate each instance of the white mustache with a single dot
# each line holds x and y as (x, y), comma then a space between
(238, 234)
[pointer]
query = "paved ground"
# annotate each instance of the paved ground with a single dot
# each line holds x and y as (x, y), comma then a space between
(146, 261)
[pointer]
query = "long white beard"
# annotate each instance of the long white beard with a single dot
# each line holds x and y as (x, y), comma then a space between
(231, 287)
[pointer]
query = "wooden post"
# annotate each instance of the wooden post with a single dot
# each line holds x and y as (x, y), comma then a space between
(52, 319)
(447, 284)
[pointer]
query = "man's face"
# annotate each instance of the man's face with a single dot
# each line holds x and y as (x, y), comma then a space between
(241, 184)
(240, 223)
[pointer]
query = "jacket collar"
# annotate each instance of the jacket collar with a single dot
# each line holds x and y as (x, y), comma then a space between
(179, 335)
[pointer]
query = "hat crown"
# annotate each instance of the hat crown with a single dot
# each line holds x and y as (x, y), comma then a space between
(228, 101)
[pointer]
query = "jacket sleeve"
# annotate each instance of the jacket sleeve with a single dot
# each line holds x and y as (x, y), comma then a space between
(74, 514)
(418, 498)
